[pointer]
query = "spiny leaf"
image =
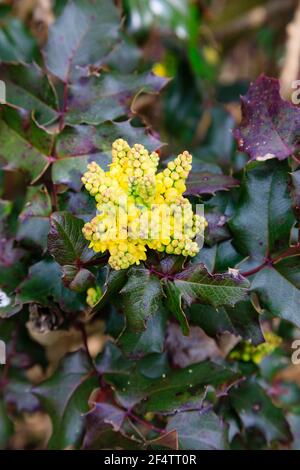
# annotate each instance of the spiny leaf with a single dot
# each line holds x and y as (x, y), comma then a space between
(263, 217)
(142, 296)
(65, 397)
(256, 410)
(23, 145)
(29, 88)
(278, 288)
(170, 392)
(270, 126)
(209, 183)
(82, 36)
(195, 284)
(199, 431)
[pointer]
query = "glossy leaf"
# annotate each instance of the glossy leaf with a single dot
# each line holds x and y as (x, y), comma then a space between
(270, 125)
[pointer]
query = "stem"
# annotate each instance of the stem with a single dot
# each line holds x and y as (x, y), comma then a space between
(256, 269)
(82, 329)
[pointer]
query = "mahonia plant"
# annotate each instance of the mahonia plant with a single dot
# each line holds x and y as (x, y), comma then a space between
(116, 324)
(138, 207)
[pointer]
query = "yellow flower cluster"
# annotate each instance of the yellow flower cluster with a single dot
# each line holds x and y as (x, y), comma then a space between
(248, 352)
(93, 295)
(138, 207)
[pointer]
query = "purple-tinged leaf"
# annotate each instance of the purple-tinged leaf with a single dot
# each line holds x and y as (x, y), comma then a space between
(270, 126)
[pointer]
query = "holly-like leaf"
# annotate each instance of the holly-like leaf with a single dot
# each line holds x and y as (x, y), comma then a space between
(209, 183)
(69, 248)
(138, 344)
(142, 295)
(81, 37)
(256, 409)
(79, 145)
(23, 145)
(263, 217)
(103, 428)
(169, 392)
(27, 87)
(107, 97)
(278, 288)
(66, 242)
(240, 320)
(65, 397)
(114, 282)
(16, 43)
(44, 285)
(34, 218)
(199, 431)
(270, 126)
(196, 284)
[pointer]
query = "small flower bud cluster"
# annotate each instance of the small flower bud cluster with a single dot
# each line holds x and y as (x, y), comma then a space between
(248, 352)
(93, 295)
(139, 208)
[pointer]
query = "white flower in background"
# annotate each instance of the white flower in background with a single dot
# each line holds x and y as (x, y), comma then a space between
(4, 299)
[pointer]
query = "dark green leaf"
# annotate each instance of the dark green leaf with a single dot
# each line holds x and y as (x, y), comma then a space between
(23, 145)
(16, 43)
(142, 295)
(256, 410)
(81, 37)
(278, 288)
(263, 217)
(209, 183)
(28, 88)
(170, 392)
(199, 431)
(65, 397)
(241, 320)
(196, 284)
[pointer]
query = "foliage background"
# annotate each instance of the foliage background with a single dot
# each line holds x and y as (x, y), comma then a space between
(78, 75)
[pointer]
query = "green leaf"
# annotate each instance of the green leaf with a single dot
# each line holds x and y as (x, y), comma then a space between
(263, 217)
(66, 242)
(16, 43)
(34, 218)
(241, 320)
(79, 145)
(209, 183)
(24, 146)
(65, 397)
(107, 97)
(137, 345)
(114, 282)
(44, 284)
(29, 88)
(81, 37)
(103, 429)
(256, 409)
(196, 284)
(77, 279)
(142, 296)
(199, 431)
(6, 426)
(171, 392)
(278, 289)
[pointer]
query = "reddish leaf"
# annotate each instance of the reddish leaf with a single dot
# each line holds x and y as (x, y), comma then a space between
(270, 126)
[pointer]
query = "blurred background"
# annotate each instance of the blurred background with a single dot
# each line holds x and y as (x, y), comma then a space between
(210, 50)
